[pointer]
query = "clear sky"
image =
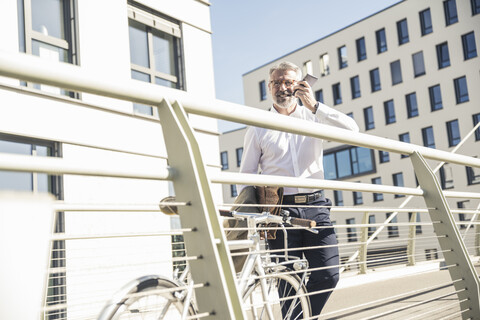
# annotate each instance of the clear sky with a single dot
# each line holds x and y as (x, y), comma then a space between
(250, 33)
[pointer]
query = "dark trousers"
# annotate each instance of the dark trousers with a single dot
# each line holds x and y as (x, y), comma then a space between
(319, 257)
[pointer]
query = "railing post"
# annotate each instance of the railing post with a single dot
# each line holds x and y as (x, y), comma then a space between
(412, 232)
(364, 246)
(207, 241)
(462, 271)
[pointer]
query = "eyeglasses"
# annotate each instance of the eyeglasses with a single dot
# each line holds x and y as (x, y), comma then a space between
(287, 83)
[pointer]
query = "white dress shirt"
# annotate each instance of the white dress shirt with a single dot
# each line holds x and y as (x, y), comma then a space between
(280, 153)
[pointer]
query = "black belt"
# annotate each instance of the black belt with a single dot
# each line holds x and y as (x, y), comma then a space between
(302, 197)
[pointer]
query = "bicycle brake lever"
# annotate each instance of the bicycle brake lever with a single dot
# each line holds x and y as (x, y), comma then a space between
(315, 231)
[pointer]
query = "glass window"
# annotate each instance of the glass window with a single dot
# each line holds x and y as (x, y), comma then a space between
(371, 230)
(453, 131)
(426, 22)
(348, 162)
(404, 137)
(446, 176)
(307, 67)
(361, 49)
(443, 58)
(351, 231)
(319, 95)
(337, 94)
(239, 152)
(263, 90)
(398, 182)
(450, 10)
(473, 175)
(355, 86)
(469, 46)
(375, 80)
(418, 64)
(475, 6)
(435, 98)
(402, 31)
(357, 198)
(384, 156)
(461, 90)
(377, 196)
(224, 160)
(476, 120)
(461, 216)
(338, 197)
(396, 71)
(342, 57)
(389, 112)
(392, 229)
(368, 116)
(154, 51)
(412, 107)
(428, 137)
(381, 40)
(45, 30)
(324, 65)
(233, 190)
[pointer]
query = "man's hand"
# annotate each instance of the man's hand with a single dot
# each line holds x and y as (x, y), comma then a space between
(304, 92)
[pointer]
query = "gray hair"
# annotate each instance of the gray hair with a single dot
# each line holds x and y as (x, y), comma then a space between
(285, 66)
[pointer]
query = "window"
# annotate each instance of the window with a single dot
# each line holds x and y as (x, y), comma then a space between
(392, 230)
(351, 231)
(263, 90)
(398, 182)
(402, 31)
(426, 22)
(428, 137)
(324, 65)
(453, 131)
(155, 53)
(446, 177)
(361, 49)
(46, 29)
(435, 98)
(414, 217)
(396, 71)
(431, 254)
(40, 183)
(319, 96)
(476, 120)
(377, 196)
(375, 80)
(357, 198)
(233, 190)
(469, 46)
(389, 112)
(461, 216)
(381, 40)
(412, 107)
(443, 58)
(307, 67)
(371, 230)
(224, 160)
(404, 137)
(337, 94)
(338, 197)
(178, 246)
(418, 64)
(461, 90)
(384, 156)
(475, 6)
(368, 116)
(342, 57)
(473, 175)
(239, 152)
(355, 86)
(450, 10)
(348, 162)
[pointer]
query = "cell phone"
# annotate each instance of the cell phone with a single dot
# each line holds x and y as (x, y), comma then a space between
(310, 79)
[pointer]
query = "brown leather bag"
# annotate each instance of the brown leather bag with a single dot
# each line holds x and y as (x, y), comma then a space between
(271, 198)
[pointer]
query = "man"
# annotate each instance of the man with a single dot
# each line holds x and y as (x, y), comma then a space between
(279, 153)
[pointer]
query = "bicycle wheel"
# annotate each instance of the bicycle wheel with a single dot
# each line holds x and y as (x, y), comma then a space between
(148, 297)
(285, 295)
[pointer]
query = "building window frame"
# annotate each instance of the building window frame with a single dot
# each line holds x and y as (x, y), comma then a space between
(461, 90)
(476, 120)
(446, 177)
(337, 93)
(324, 65)
(368, 117)
(239, 154)
(402, 31)
(396, 72)
(450, 11)
(342, 57)
(381, 38)
(224, 160)
(435, 95)
(348, 162)
(383, 156)
(389, 108)
(392, 229)
(453, 132)
(473, 175)
(426, 26)
(377, 196)
(319, 96)
(428, 137)
(418, 64)
(375, 83)
(469, 46)
(355, 87)
(475, 4)
(412, 105)
(361, 49)
(443, 56)
(263, 90)
(351, 231)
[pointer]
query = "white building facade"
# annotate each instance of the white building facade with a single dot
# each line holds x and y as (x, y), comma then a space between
(165, 43)
(410, 72)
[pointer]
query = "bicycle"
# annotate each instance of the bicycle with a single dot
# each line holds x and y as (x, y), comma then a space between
(273, 285)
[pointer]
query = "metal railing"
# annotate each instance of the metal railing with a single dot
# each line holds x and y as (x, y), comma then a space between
(203, 234)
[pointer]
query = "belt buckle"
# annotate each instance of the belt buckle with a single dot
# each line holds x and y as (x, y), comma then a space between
(300, 199)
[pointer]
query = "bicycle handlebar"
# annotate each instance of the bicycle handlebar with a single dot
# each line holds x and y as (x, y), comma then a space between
(266, 217)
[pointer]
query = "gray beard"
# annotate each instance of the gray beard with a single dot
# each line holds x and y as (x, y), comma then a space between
(285, 103)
